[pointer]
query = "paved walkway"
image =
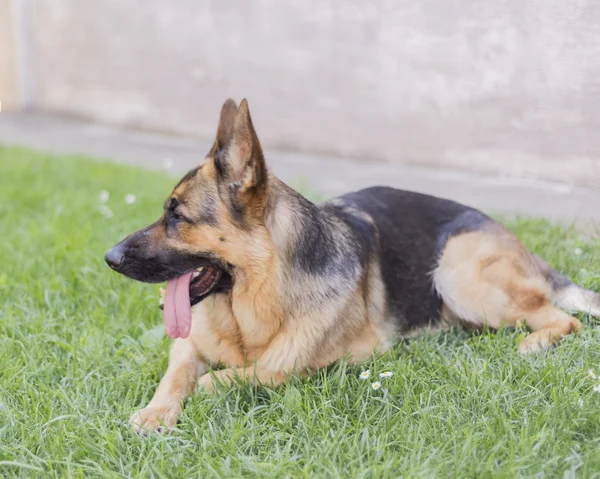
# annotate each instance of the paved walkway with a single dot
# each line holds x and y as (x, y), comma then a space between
(328, 176)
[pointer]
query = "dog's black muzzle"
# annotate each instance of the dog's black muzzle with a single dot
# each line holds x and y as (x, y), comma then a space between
(142, 257)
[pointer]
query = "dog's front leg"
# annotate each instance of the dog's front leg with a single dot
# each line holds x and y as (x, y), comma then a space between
(256, 375)
(185, 366)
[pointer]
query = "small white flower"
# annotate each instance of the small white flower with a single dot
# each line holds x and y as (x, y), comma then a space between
(596, 388)
(106, 211)
(387, 374)
(578, 251)
(376, 385)
(104, 196)
(580, 403)
(168, 163)
(365, 374)
(592, 374)
(130, 199)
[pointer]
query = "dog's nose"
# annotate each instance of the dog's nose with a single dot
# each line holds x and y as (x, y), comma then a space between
(114, 257)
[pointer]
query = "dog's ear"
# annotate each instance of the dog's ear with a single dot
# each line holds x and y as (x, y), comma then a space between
(242, 165)
(226, 120)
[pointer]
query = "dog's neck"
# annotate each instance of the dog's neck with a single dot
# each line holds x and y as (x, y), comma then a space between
(304, 237)
(294, 271)
(287, 215)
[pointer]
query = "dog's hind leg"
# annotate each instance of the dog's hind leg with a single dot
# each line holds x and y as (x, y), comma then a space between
(488, 278)
(185, 366)
(549, 325)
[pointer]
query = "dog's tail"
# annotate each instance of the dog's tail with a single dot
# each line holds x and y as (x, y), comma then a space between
(568, 295)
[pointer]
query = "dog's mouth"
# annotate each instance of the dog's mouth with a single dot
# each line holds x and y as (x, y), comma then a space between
(204, 281)
(184, 292)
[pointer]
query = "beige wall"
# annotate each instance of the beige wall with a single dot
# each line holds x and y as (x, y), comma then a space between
(502, 87)
(9, 95)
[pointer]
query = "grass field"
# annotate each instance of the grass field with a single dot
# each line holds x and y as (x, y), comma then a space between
(81, 348)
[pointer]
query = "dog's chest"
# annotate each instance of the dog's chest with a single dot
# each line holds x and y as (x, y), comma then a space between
(223, 337)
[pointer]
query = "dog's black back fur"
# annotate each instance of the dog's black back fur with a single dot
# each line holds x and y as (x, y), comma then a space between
(411, 232)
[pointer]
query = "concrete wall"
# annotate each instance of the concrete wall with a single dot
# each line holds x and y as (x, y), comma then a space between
(511, 87)
(9, 94)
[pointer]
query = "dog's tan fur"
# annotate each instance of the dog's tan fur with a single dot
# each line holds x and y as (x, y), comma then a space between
(263, 331)
(489, 278)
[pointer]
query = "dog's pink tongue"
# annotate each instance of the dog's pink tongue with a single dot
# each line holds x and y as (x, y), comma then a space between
(177, 312)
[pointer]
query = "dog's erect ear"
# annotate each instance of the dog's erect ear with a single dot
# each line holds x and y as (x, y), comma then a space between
(242, 165)
(226, 120)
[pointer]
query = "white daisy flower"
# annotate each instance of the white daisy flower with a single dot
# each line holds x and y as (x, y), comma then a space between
(365, 374)
(376, 385)
(130, 199)
(578, 251)
(387, 374)
(596, 388)
(104, 196)
(592, 374)
(106, 211)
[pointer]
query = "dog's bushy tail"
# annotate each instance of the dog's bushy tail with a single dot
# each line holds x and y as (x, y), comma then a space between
(568, 295)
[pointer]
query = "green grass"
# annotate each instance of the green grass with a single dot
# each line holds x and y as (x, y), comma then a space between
(81, 348)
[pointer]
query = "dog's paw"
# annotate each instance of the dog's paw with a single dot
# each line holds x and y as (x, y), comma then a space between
(155, 419)
(206, 383)
(534, 344)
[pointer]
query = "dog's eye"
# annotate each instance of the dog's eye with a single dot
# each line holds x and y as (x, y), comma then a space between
(175, 217)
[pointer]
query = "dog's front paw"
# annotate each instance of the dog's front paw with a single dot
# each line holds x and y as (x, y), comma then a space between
(534, 344)
(155, 419)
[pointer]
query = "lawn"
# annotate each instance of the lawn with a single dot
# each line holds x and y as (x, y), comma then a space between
(81, 348)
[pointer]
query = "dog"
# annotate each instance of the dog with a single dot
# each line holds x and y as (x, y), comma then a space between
(267, 284)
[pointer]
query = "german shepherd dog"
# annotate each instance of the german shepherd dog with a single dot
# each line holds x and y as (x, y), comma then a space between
(267, 284)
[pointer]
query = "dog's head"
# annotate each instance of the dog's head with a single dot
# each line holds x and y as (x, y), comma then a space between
(212, 222)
